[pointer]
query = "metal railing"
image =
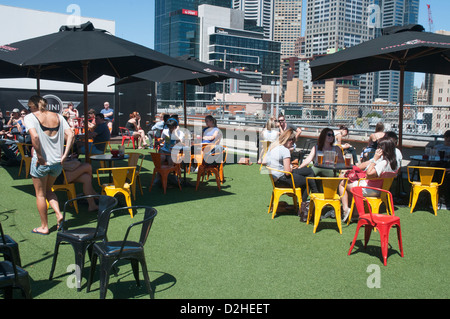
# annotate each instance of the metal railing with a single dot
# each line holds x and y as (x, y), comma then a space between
(421, 122)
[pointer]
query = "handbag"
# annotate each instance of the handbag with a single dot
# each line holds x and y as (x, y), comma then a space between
(354, 174)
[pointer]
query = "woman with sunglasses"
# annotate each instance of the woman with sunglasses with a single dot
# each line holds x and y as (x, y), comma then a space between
(383, 163)
(324, 143)
(279, 157)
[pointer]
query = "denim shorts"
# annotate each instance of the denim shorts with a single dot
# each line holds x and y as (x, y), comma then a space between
(44, 170)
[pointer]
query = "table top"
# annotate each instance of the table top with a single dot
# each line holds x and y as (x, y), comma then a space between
(108, 157)
(338, 166)
(429, 159)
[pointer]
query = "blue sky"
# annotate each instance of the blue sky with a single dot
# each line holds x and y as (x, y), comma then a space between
(135, 18)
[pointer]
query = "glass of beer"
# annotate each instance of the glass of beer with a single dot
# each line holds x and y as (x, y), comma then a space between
(348, 159)
(320, 158)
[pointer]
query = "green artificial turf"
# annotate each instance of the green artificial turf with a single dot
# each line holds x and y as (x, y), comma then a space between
(211, 244)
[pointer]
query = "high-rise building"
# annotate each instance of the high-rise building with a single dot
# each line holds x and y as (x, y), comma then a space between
(332, 25)
(260, 11)
(396, 13)
(177, 34)
(287, 25)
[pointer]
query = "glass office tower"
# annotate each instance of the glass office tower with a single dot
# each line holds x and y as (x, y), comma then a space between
(177, 34)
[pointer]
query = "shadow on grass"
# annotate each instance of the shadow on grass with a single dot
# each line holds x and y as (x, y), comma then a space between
(374, 249)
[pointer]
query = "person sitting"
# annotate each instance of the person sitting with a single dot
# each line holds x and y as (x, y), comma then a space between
(269, 134)
(15, 117)
(398, 153)
(100, 136)
(324, 143)
(279, 157)
(383, 161)
(91, 120)
(134, 126)
(77, 172)
(72, 115)
(373, 142)
(346, 147)
(171, 136)
(444, 146)
(211, 134)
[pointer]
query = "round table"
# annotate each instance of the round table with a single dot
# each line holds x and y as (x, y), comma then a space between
(109, 158)
(335, 167)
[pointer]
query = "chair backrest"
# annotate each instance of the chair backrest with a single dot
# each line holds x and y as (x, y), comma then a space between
(105, 204)
(330, 185)
(21, 147)
(124, 131)
(360, 200)
(156, 159)
(280, 171)
(133, 160)
(147, 222)
(384, 181)
(119, 175)
(426, 174)
(215, 154)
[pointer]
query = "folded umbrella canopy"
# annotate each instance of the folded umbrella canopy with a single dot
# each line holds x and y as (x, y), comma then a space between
(82, 54)
(210, 74)
(405, 48)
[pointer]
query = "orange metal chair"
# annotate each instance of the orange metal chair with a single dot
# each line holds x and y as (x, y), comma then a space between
(213, 164)
(385, 182)
(277, 192)
(127, 136)
(164, 171)
(135, 159)
(69, 188)
(26, 160)
(329, 196)
(425, 183)
(120, 185)
(382, 222)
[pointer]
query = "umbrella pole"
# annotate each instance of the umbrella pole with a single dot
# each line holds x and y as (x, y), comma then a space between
(400, 110)
(185, 107)
(85, 101)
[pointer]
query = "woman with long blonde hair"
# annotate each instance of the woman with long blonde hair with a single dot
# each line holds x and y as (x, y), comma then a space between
(48, 132)
(279, 157)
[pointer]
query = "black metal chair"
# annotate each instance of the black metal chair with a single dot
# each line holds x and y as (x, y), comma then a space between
(13, 276)
(82, 238)
(8, 241)
(110, 252)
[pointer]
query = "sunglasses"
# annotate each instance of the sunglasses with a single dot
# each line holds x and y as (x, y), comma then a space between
(330, 134)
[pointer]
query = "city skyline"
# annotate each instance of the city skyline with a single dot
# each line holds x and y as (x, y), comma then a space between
(135, 18)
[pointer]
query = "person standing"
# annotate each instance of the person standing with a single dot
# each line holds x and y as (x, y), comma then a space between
(108, 113)
(48, 132)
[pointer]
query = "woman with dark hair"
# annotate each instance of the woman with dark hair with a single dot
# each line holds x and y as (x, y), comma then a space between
(324, 143)
(134, 126)
(279, 157)
(384, 161)
(48, 132)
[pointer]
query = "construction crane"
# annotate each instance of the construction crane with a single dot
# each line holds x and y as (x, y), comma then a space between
(430, 18)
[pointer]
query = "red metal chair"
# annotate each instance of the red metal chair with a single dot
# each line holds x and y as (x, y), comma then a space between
(126, 135)
(382, 222)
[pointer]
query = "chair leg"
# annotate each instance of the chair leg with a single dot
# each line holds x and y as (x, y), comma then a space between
(413, 201)
(354, 238)
(399, 237)
(270, 204)
(275, 205)
(55, 257)
(434, 201)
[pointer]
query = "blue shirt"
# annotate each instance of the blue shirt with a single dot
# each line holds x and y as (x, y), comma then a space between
(105, 111)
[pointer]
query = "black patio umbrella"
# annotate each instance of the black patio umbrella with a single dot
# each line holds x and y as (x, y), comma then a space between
(85, 53)
(210, 74)
(405, 48)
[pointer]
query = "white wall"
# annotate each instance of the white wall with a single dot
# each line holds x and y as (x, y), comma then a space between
(17, 24)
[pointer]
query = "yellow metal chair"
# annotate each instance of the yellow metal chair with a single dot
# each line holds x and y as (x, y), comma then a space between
(26, 160)
(135, 159)
(277, 192)
(329, 196)
(69, 188)
(265, 145)
(119, 185)
(385, 183)
(426, 183)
